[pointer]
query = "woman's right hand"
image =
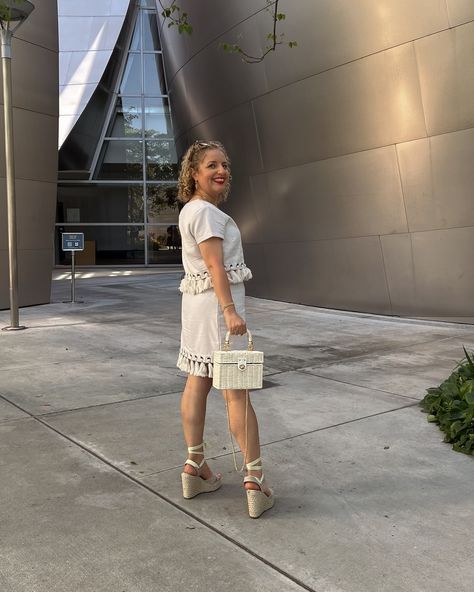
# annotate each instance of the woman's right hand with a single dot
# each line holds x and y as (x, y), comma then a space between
(235, 323)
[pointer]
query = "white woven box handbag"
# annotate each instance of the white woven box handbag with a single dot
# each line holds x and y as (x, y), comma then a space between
(237, 369)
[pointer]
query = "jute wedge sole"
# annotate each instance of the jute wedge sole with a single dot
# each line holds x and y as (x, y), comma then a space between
(193, 485)
(258, 502)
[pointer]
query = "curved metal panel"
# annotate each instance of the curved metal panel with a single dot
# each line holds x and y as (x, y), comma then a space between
(201, 91)
(438, 180)
(446, 64)
(217, 20)
(88, 32)
(35, 125)
(331, 198)
(460, 11)
(352, 146)
(42, 29)
(32, 85)
(341, 31)
(235, 128)
(366, 104)
(428, 271)
(304, 272)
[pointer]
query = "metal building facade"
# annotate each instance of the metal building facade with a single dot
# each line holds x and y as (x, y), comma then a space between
(35, 128)
(352, 154)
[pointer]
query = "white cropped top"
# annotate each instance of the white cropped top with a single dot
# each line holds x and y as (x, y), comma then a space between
(198, 221)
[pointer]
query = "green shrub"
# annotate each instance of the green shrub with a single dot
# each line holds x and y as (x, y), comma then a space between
(451, 406)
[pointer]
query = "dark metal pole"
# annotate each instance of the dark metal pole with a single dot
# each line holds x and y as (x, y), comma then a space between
(6, 38)
(73, 276)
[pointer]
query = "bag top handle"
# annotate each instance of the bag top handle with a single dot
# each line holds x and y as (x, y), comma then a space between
(227, 341)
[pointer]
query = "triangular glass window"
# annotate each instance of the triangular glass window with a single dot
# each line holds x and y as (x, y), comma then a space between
(141, 112)
(151, 41)
(158, 118)
(127, 120)
(131, 83)
(136, 43)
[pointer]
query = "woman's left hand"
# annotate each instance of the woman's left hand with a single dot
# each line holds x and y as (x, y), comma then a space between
(235, 323)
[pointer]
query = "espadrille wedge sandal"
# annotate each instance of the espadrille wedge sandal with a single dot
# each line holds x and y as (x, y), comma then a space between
(257, 500)
(194, 484)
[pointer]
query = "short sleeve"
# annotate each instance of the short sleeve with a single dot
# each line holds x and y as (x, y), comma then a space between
(206, 223)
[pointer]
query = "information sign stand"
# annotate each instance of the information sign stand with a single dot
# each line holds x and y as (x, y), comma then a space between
(73, 241)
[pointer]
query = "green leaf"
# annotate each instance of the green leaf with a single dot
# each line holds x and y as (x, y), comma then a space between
(451, 406)
(469, 397)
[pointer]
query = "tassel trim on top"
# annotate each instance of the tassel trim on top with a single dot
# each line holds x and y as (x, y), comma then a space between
(195, 283)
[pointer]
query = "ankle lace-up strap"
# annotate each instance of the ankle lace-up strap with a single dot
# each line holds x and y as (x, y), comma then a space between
(198, 449)
(254, 465)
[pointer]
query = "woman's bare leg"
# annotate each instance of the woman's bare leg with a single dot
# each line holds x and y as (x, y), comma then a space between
(193, 415)
(250, 443)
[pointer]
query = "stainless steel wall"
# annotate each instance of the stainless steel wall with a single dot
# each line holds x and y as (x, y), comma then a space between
(35, 120)
(352, 154)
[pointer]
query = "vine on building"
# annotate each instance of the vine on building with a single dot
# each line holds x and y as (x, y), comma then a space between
(174, 16)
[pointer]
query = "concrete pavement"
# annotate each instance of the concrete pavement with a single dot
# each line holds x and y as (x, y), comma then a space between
(369, 499)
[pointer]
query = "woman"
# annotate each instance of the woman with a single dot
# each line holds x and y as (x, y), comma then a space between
(213, 296)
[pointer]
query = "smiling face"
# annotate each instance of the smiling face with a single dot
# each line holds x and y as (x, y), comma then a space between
(213, 175)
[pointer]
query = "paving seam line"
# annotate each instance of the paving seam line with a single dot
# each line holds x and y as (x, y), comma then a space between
(100, 405)
(170, 502)
(382, 350)
(336, 425)
(363, 386)
(308, 433)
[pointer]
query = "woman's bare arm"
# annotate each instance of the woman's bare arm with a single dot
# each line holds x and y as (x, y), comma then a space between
(211, 251)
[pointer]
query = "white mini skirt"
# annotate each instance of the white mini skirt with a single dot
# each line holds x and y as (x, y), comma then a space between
(203, 329)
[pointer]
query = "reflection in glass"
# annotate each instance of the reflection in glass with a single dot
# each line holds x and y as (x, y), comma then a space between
(157, 118)
(151, 41)
(164, 244)
(162, 204)
(127, 119)
(100, 203)
(154, 75)
(121, 159)
(135, 45)
(106, 245)
(132, 80)
(161, 160)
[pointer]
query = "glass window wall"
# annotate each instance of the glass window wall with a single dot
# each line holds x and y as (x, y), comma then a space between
(151, 41)
(162, 205)
(86, 203)
(128, 208)
(131, 83)
(158, 118)
(106, 245)
(164, 243)
(127, 120)
(154, 74)
(121, 160)
(161, 160)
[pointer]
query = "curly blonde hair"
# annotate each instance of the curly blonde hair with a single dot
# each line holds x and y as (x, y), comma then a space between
(190, 164)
